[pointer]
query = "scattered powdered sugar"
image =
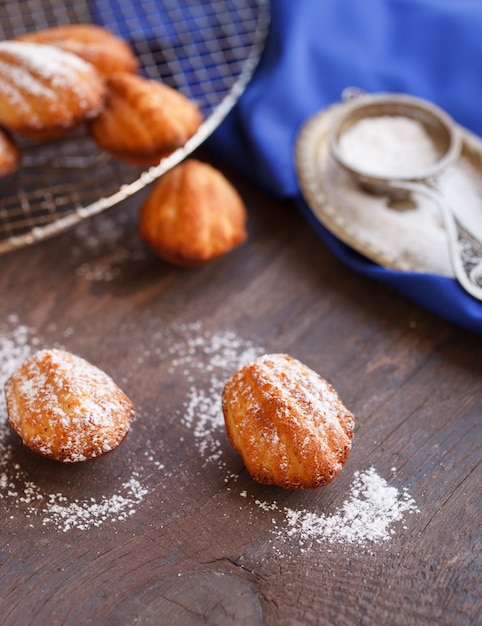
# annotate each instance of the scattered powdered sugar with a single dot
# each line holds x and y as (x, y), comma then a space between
(18, 490)
(372, 507)
(206, 360)
(219, 355)
(64, 513)
(101, 238)
(15, 347)
(83, 514)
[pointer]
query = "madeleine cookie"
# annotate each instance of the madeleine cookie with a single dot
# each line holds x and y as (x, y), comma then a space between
(93, 43)
(193, 215)
(143, 120)
(46, 91)
(9, 155)
(287, 423)
(65, 408)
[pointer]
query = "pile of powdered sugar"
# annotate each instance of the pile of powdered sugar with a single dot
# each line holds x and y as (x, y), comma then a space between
(367, 515)
(388, 145)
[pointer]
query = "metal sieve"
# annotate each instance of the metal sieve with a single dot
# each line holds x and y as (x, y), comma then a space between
(444, 134)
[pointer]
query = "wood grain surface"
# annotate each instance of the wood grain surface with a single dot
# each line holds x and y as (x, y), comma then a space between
(202, 543)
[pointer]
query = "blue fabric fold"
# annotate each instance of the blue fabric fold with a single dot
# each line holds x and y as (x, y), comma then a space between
(438, 294)
(317, 48)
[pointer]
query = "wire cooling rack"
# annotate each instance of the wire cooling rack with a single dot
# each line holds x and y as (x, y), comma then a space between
(205, 49)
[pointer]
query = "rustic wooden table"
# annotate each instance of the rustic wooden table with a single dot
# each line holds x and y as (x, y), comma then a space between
(170, 528)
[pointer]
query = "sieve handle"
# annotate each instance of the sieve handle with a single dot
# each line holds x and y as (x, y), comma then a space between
(464, 249)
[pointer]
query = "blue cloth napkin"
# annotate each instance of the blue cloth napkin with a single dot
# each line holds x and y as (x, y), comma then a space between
(317, 48)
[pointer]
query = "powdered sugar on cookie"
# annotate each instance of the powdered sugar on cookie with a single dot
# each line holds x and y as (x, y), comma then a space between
(287, 423)
(39, 69)
(19, 491)
(65, 408)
